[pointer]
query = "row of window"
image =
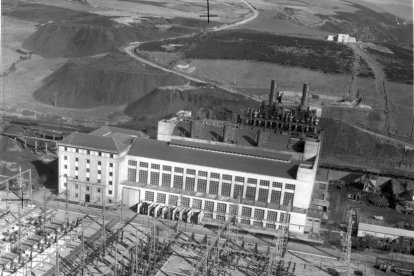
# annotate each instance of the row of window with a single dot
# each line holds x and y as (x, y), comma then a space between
(213, 188)
(225, 177)
(88, 161)
(218, 207)
(89, 152)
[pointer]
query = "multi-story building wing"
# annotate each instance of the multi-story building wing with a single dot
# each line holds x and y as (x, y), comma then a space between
(214, 178)
(89, 163)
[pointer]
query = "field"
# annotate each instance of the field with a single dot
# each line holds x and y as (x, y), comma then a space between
(398, 67)
(313, 54)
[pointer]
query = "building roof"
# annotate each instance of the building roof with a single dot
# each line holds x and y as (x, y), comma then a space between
(385, 230)
(90, 141)
(162, 150)
(109, 130)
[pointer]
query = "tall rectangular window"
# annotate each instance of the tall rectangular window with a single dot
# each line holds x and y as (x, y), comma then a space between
(238, 191)
(202, 185)
(234, 210)
(246, 212)
(288, 199)
(173, 200)
(178, 182)
(213, 189)
(155, 178)
(275, 197)
(149, 196)
(263, 194)
(143, 177)
(272, 215)
(189, 183)
(166, 180)
(209, 206)
(221, 208)
(258, 213)
(132, 174)
(161, 198)
(226, 189)
(197, 203)
(251, 193)
(185, 201)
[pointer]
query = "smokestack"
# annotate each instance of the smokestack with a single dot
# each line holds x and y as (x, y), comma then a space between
(192, 129)
(225, 133)
(259, 138)
(273, 88)
(305, 95)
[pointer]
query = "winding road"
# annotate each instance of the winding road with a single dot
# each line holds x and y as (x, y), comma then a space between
(130, 50)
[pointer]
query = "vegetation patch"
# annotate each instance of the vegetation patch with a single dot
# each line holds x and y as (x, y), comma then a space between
(398, 67)
(308, 53)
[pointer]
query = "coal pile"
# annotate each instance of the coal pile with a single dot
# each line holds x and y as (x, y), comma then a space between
(113, 79)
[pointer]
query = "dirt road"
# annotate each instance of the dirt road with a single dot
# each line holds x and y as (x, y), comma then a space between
(130, 50)
(379, 80)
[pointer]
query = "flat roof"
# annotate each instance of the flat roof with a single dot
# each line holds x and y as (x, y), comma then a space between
(385, 230)
(233, 149)
(162, 150)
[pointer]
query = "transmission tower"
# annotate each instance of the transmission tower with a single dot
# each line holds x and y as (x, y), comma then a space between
(346, 252)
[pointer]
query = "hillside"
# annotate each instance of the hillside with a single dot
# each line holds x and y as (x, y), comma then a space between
(166, 101)
(113, 79)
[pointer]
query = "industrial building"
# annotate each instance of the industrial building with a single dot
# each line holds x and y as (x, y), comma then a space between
(256, 171)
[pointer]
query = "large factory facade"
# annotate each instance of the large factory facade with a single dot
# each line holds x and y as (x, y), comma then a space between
(254, 171)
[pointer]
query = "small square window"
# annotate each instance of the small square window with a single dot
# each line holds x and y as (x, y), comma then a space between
(76, 168)
(76, 177)
(64, 185)
(100, 153)
(110, 173)
(65, 157)
(66, 148)
(88, 152)
(87, 179)
(87, 188)
(110, 192)
(111, 165)
(77, 151)
(76, 186)
(98, 190)
(99, 163)
(66, 166)
(109, 200)
(88, 170)
(111, 155)
(76, 195)
(99, 181)
(110, 182)
(88, 161)
(99, 171)
(76, 159)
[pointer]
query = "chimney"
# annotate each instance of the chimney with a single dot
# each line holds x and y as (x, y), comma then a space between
(225, 133)
(305, 95)
(259, 138)
(192, 129)
(273, 88)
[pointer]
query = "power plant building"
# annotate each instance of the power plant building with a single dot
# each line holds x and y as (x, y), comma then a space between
(253, 173)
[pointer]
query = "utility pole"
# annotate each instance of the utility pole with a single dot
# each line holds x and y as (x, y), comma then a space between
(83, 248)
(346, 254)
(103, 223)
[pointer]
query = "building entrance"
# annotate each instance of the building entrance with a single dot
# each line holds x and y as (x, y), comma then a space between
(87, 198)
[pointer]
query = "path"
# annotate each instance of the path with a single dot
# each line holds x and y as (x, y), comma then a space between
(379, 80)
(130, 50)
